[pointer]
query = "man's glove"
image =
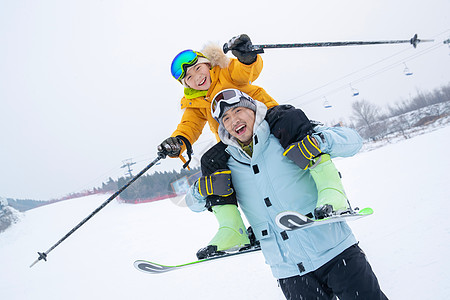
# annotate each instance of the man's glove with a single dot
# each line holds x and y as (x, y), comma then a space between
(171, 146)
(302, 152)
(241, 47)
(218, 183)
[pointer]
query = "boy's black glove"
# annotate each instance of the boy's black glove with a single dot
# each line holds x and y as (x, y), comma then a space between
(302, 152)
(171, 146)
(213, 160)
(241, 47)
(218, 183)
(288, 124)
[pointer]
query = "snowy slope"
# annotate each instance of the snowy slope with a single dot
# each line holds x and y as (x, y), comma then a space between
(407, 240)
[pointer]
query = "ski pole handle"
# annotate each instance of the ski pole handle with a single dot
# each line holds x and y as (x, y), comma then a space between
(254, 49)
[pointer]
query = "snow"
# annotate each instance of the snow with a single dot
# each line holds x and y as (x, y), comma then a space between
(407, 240)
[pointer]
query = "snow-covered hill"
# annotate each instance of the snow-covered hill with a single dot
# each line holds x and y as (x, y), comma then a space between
(8, 215)
(407, 240)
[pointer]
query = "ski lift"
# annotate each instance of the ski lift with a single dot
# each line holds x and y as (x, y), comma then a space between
(355, 92)
(406, 71)
(326, 104)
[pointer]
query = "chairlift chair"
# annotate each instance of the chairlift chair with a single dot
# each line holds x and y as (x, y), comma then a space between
(355, 92)
(406, 71)
(326, 104)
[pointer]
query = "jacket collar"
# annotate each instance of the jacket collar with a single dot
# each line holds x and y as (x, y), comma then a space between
(190, 93)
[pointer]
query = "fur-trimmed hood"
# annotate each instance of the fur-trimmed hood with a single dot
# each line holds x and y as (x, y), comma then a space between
(215, 54)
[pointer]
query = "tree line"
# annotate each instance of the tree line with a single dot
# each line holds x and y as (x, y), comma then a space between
(153, 185)
(24, 204)
(373, 124)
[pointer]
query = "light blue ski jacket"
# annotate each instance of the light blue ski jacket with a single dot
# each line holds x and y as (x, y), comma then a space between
(269, 183)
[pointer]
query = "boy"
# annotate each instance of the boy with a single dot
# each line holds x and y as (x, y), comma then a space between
(311, 263)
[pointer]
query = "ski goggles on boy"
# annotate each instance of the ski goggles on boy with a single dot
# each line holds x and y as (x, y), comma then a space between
(183, 61)
(227, 98)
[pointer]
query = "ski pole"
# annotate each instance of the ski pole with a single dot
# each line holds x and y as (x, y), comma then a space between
(43, 255)
(260, 48)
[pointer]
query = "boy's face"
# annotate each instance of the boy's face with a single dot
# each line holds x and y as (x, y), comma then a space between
(239, 122)
(198, 77)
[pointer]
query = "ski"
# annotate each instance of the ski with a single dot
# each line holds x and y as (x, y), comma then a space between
(156, 268)
(292, 220)
(288, 220)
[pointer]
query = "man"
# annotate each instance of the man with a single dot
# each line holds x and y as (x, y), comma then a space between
(312, 263)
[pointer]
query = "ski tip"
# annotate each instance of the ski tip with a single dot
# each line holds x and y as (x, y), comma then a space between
(151, 268)
(366, 211)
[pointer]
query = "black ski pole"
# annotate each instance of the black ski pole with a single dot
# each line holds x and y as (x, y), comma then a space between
(43, 255)
(260, 48)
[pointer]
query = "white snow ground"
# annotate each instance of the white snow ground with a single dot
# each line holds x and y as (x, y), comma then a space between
(407, 241)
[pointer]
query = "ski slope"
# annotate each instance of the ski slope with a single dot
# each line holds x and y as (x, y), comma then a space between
(407, 240)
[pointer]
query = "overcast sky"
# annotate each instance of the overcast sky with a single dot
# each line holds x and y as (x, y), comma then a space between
(85, 85)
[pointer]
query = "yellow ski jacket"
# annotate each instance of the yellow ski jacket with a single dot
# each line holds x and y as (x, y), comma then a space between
(197, 111)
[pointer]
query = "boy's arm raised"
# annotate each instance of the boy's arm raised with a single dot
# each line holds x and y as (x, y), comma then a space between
(242, 74)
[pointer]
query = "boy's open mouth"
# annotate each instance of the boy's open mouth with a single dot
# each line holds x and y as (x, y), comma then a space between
(202, 82)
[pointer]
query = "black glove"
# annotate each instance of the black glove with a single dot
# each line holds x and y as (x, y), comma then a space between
(241, 47)
(214, 159)
(218, 183)
(288, 124)
(171, 146)
(302, 152)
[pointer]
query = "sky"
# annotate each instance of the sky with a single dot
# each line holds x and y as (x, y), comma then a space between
(410, 258)
(85, 85)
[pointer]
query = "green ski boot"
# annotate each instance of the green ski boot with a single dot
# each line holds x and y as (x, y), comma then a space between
(331, 196)
(231, 236)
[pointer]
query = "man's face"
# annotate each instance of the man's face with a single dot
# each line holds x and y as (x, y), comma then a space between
(239, 122)
(198, 77)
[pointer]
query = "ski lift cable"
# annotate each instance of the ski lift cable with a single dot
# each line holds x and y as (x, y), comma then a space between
(359, 70)
(358, 80)
(389, 67)
(375, 73)
(369, 75)
(345, 76)
(96, 180)
(396, 64)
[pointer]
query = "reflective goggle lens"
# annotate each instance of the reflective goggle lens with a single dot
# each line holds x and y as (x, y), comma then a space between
(180, 63)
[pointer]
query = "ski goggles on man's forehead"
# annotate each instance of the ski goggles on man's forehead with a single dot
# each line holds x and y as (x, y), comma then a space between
(183, 61)
(226, 98)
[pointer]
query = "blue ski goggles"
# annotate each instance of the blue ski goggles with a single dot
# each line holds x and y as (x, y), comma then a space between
(183, 61)
(227, 98)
